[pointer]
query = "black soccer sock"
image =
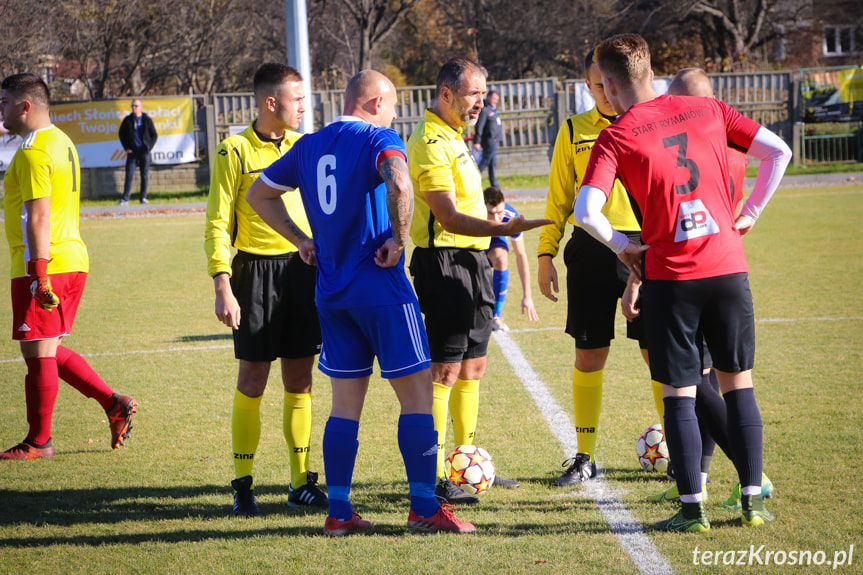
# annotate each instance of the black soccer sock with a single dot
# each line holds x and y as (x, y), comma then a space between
(712, 418)
(745, 431)
(684, 443)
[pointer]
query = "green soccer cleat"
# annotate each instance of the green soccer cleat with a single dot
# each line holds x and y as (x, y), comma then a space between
(754, 513)
(733, 501)
(672, 495)
(690, 518)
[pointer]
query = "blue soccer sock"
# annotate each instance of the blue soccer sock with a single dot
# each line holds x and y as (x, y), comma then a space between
(418, 444)
(500, 282)
(745, 432)
(340, 453)
(684, 443)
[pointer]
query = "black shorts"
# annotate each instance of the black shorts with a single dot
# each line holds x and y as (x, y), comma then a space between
(454, 289)
(277, 306)
(676, 313)
(595, 281)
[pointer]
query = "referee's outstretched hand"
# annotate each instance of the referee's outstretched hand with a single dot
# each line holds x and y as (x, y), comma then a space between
(519, 224)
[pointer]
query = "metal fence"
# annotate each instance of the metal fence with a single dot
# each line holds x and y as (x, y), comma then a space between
(531, 110)
(828, 144)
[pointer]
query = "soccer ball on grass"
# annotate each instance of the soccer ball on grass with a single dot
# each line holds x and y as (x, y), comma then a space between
(652, 450)
(471, 468)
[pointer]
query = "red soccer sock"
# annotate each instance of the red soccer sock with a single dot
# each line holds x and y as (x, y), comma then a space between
(75, 371)
(40, 391)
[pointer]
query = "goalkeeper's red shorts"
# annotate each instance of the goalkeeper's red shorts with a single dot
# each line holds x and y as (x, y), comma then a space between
(30, 322)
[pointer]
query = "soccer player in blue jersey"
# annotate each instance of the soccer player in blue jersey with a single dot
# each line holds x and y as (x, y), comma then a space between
(358, 195)
(498, 256)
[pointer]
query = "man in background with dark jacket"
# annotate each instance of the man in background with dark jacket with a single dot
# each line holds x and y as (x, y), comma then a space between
(489, 133)
(138, 136)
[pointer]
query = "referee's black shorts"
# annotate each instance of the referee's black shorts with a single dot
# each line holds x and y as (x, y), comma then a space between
(678, 313)
(595, 281)
(277, 306)
(454, 289)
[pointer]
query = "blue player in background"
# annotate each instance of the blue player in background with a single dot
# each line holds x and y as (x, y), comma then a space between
(358, 196)
(498, 255)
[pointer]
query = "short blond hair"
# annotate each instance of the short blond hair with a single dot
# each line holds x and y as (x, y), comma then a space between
(625, 58)
(691, 82)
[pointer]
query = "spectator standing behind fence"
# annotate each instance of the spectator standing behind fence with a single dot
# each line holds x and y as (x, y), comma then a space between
(489, 133)
(138, 136)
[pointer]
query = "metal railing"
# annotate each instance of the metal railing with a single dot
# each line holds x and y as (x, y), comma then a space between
(824, 144)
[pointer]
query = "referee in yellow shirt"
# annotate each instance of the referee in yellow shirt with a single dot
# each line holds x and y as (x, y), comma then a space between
(452, 275)
(595, 278)
(266, 294)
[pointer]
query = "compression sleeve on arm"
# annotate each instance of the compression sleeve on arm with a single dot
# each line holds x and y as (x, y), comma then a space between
(588, 214)
(774, 155)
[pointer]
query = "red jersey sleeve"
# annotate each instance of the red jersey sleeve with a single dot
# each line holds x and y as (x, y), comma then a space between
(740, 130)
(602, 166)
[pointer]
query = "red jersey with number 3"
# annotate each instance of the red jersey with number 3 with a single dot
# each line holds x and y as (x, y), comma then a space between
(671, 154)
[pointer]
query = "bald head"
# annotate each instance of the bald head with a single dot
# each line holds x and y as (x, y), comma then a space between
(691, 82)
(371, 96)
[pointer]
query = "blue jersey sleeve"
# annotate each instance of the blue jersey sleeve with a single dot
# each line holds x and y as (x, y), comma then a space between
(282, 174)
(509, 213)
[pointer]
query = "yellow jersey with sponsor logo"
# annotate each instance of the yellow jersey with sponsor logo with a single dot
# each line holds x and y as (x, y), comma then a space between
(231, 221)
(439, 161)
(568, 163)
(46, 165)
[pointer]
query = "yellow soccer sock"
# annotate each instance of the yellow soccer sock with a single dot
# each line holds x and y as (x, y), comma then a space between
(297, 427)
(464, 410)
(587, 399)
(657, 399)
(439, 412)
(245, 432)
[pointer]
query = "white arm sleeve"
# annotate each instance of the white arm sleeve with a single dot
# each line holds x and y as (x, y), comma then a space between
(588, 214)
(774, 155)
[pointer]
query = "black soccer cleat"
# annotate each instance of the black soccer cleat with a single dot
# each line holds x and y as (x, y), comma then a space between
(448, 492)
(308, 495)
(244, 498)
(579, 469)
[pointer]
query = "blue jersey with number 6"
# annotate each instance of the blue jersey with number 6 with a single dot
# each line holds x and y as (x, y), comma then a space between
(336, 170)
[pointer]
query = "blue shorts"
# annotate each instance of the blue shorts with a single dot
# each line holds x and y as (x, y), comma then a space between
(354, 337)
(498, 242)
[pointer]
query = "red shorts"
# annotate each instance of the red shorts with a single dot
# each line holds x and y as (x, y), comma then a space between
(30, 322)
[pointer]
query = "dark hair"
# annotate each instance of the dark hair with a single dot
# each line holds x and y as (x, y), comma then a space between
(493, 196)
(272, 74)
(588, 60)
(453, 71)
(28, 86)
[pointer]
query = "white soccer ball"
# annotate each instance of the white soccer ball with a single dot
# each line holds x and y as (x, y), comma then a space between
(471, 468)
(652, 450)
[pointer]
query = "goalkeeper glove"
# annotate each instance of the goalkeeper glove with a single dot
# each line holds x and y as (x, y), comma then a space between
(40, 285)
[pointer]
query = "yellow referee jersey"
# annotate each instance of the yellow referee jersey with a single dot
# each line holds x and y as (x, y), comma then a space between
(46, 165)
(439, 161)
(239, 161)
(568, 164)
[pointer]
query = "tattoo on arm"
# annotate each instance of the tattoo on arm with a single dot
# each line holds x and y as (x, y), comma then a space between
(400, 196)
(296, 230)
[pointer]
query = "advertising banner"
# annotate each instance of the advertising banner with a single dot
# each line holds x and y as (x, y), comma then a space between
(831, 94)
(94, 128)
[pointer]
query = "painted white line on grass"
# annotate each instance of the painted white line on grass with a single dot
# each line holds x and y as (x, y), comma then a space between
(140, 351)
(628, 531)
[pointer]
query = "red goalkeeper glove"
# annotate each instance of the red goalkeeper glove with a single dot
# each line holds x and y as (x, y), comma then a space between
(40, 285)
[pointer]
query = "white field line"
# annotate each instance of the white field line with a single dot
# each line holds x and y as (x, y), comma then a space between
(628, 531)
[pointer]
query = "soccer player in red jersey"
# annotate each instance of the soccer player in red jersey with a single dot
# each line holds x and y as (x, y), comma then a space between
(670, 154)
(49, 266)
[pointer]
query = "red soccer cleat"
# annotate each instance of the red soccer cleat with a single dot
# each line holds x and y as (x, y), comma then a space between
(26, 451)
(120, 419)
(442, 520)
(334, 527)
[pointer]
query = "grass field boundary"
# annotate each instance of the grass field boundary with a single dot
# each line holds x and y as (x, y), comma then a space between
(628, 531)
